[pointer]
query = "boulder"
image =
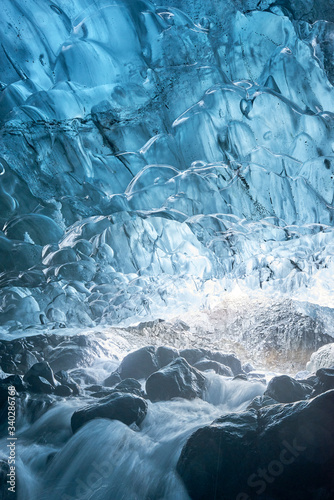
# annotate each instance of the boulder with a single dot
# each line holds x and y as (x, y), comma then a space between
(75, 352)
(193, 356)
(260, 402)
(16, 381)
(139, 364)
(130, 386)
(166, 355)
(40, 378)
(209, 364)
(277, 452)
(127, 408)
(63, 391)
(228, 360)
(113, 379)
(65, 379)
(285, 389)
(324, 381)
(247, 367)
(176, 380)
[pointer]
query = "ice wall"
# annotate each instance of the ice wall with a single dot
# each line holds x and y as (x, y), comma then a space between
(152, 157)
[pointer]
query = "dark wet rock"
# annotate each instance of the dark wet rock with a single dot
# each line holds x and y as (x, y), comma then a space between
(16, 381)
(102, 393)
(94, 388)
(41, 385)
(40, 378)
(176, 380)
(312, 380)
(277, 452)
(139, 364)
(228, 360)
(72, 353)
(261, 402)
(247, 367)
(3, 403)
(62, 352)
(113, 379)
(131, 386)
(208, 364)
(63, 390)
(127, 408)
(64, 378)
(324, 381)
(285, 389)
(29, 359)
(193, 356)
(166, 355)
(128, 385)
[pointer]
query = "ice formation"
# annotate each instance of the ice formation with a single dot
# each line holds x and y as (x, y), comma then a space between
(152, 157)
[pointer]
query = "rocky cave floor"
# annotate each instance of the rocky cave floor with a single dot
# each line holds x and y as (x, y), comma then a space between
(277, 445)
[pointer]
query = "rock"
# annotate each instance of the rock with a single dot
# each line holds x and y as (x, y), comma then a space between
(193, 356)
(176, 380)
(63, 390)
(247, 367)
(16, 381)
(70, 354)
(94, 388)
(29, 359)
(139, 364)
(128, 385)
(228, 360)
(65, 379)
(102, 393)
(285, 389)
(208, 364)
(112, 380)
(166, 355)
(40, 378)
(324, 381)
(127, 408)
(131, 386)
(261, 402)
(277, 452)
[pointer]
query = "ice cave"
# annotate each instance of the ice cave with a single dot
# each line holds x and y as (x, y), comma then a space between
(167, 250)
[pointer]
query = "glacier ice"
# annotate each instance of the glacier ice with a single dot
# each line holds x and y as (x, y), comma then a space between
(153, 157)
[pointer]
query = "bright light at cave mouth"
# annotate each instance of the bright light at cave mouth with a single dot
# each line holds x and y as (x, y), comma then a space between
(166, 184)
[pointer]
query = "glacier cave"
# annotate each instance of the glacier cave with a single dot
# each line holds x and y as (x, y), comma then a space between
(167, 250)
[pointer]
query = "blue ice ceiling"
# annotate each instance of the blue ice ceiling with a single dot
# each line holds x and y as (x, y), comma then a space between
(150, 155)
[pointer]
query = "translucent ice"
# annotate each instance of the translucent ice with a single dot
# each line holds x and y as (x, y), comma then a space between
(154, 157)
